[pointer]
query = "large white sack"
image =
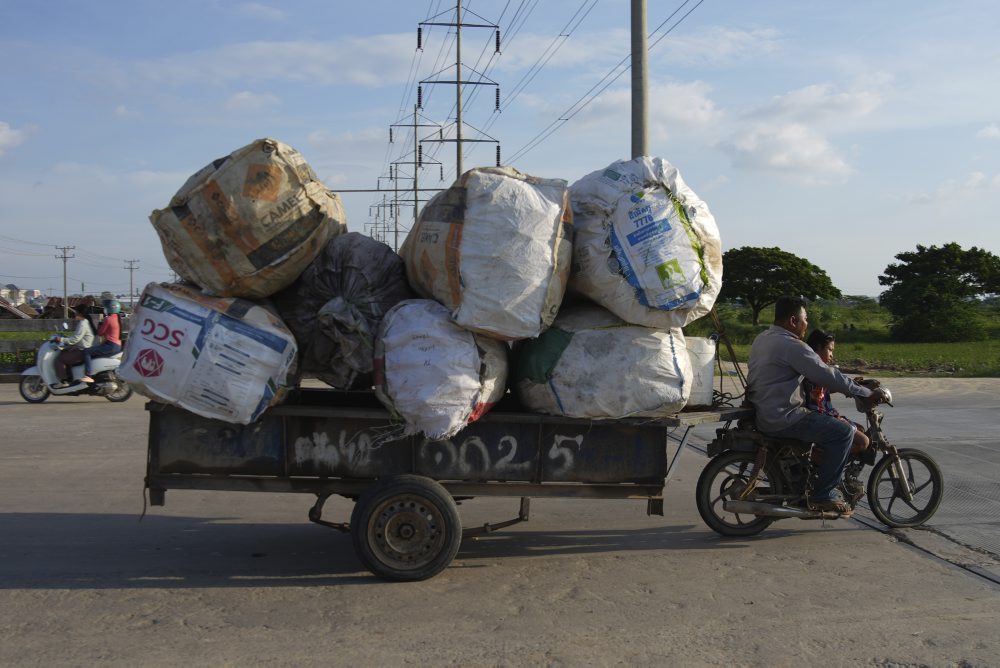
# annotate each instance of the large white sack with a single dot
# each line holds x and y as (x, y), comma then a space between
(248, 224)
(646, 247)
(335, 306)
(591, 364)
(221, 358)
(495, 248)
(435, 375)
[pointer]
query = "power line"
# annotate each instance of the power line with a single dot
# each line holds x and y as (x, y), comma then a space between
(588, 97)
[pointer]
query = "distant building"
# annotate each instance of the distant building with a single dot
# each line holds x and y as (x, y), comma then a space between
(14, 294)
(10, 312)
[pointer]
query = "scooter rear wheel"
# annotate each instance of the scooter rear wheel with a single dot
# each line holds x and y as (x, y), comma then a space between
(121, 393)
(33, 389)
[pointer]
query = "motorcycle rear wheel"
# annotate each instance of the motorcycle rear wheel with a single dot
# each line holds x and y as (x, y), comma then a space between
(887, 498)
(122, 392)
(724, 478)
(33, 389)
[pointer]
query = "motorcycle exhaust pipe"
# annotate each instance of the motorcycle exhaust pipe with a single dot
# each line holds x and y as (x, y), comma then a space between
(773, 510)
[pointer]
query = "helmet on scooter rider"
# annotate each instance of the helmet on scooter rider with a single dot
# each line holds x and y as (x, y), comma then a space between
(112, 306)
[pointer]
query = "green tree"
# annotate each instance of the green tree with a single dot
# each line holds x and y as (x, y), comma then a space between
(934, 292)
(758, 276)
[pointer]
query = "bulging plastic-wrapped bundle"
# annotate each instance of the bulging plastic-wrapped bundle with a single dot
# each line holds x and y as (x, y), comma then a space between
(435, 375)
(646, 247)
(248, 224)
(335, 307)
(591, 364)
(495, 248)
(221, 358)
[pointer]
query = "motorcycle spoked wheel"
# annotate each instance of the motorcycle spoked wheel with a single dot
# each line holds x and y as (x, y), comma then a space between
(724, 478)
(886, 497)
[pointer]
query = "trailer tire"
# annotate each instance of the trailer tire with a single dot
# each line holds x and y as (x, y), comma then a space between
(406, 528)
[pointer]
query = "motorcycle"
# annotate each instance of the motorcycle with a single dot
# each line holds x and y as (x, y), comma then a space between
(753, 480)
(36, 382)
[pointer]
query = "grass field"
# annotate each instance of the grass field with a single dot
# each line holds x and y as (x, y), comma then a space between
(977, 359)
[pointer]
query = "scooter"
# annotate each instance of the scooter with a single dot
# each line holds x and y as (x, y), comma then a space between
(37, 382)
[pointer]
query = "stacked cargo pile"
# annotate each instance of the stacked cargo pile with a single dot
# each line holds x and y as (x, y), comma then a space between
(573, 297)
(239, 230)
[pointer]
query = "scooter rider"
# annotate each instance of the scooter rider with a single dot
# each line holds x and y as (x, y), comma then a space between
(111, 331)
(72, 353)
(779, 359)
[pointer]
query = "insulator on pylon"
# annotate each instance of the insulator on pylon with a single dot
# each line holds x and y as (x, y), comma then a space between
(420, 38)
(497, 104)
(498, 155)
(498, 41)
(390, 172)
(420, 155)
(441, 178)
(420, 97)
(440, 133)
(390, 135)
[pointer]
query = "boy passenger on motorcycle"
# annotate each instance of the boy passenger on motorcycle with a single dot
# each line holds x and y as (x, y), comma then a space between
(72, 353)
(779, 360)
(818, 397)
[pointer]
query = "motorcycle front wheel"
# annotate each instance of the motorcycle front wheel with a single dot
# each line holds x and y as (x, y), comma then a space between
(723, 479)
(33, 389)
(907, 492)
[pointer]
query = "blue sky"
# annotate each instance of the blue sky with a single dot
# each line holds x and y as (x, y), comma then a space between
(842, 132)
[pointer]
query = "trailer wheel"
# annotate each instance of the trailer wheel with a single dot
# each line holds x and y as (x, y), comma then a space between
(406, 528)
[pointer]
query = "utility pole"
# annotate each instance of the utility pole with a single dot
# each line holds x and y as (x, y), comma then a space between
(459, 170)
(417, 163)
(640, 81)
(131, 265)
(64, 257)
(483, 80)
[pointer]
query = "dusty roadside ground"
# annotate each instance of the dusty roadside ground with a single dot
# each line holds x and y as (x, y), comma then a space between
(244, 579)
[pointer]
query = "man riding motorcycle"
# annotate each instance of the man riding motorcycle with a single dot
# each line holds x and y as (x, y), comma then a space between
(778, 361)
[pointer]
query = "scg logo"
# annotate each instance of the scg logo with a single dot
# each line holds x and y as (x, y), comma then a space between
(160, 332)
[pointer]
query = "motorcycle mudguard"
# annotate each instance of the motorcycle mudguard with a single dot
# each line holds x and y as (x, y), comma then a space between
(33, 371)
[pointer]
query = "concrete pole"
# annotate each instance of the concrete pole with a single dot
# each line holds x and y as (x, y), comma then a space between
(640, 80)
(458, 89)
(416, 167)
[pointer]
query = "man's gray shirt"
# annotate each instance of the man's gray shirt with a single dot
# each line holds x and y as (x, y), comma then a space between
(778, 362)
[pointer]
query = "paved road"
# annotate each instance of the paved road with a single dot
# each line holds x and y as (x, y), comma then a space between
(230, 578)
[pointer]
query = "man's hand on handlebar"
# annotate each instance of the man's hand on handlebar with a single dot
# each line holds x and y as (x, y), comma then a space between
(870, 383)
(878, 396)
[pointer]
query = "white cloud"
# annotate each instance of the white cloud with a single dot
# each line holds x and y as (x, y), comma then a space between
(717, 46)
(331, 154)
(671, 106)
(374, 61)
(991, 131)
(121, 111)
(821, 102)
(249, 101)
(578, 50)
(9, 137)
(793, 149)
(951, 189)
(259, 10)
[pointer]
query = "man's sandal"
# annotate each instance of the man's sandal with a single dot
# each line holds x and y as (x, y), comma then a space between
(833, 505)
